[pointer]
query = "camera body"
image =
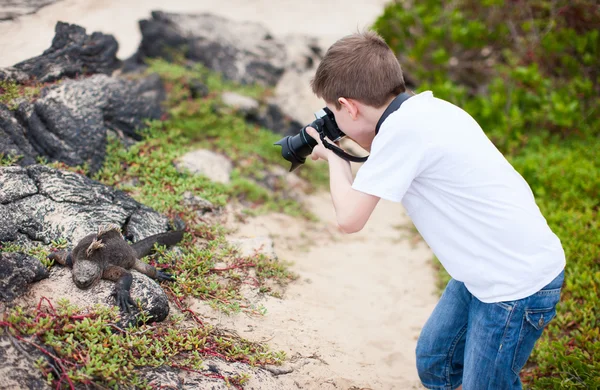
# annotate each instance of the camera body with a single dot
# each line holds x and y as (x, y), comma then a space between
(296, 148)
(326, 124)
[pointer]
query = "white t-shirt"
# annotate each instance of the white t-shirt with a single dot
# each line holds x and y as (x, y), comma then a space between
(474, 210)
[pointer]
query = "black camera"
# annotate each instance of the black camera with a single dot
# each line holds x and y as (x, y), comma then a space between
(296, 148)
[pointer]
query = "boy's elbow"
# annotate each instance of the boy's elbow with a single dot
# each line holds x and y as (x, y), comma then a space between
(349, 226)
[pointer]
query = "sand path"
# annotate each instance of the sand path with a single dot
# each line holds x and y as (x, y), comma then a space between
(352, 319)
(358, 306)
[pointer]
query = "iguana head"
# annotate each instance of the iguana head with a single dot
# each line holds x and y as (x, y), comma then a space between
(86, 273)
(87, 270)
(90, 255)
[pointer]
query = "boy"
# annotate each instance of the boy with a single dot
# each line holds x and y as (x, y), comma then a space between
(475, 212)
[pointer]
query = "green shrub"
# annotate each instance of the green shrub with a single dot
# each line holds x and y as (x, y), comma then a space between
(503, 59)
(529, 73)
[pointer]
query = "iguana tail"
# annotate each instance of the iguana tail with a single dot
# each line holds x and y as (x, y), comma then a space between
(144, 247)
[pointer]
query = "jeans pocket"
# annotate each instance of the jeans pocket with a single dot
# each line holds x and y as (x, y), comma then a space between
(533, 323)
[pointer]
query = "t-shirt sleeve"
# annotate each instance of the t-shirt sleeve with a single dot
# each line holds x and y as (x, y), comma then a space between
(396, 159)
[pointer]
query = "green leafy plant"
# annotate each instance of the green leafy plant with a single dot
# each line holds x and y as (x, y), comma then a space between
(8, 160)
(87, 347)
(11, 92)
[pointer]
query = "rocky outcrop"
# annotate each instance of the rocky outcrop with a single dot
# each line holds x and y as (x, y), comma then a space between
(69, 122)
(263, 113)
(171, 378)
(147, 293)
(18, 369)
(39, 204)
(214, 166)
(13, 138)
(242, 51)
(17, 271)
(73, 53)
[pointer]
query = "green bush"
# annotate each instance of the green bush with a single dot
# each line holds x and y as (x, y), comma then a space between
(534, 57)
(529, 73)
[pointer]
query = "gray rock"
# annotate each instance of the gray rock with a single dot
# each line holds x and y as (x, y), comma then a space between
(72, 53)
(263, 113)
(271, 117)
(207, 163)
(144, 291)
(12, 9)
(17, 271)
(13, 141)
(69, 122)
(242, 51)
(149, 295)
(18, 370)
(197, 202)
(198, 89)
(242, 103)
(67, 205)
(168, 377)
(13, 74)
(41, 204)
(293, 94)
(15, 184)
(145, 222)
(303, 52)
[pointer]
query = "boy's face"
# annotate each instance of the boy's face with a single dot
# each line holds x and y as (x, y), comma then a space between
(354, 126)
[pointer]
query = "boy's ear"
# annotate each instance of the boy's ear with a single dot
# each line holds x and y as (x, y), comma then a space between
(350, 106)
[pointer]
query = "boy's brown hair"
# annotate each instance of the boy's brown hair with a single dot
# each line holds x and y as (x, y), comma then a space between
(360, 66)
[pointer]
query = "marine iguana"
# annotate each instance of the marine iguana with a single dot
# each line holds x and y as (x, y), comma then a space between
(106, 255)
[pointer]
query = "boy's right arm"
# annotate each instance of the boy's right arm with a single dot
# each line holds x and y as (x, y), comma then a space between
(352, 208)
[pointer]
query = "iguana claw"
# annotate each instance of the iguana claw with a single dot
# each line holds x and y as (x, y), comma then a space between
(124, 300)
(164, 277)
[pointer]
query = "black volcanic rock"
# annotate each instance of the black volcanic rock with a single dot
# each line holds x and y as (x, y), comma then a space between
(242, 51)
(69, 122)
(17, 271)
(42, 204)
(13, 139)
(72, 53)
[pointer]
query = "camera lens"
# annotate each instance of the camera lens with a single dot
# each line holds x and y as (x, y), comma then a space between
(296, 148)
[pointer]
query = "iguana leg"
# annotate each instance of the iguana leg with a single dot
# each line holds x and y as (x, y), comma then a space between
(123, 279)
(62, 257)
(151, 271)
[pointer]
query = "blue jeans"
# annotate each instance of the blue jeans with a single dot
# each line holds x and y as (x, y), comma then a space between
(482, 345)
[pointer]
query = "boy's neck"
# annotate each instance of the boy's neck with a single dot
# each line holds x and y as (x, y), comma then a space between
(373, 114)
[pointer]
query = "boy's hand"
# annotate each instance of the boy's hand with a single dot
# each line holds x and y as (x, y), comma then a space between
(319, 151)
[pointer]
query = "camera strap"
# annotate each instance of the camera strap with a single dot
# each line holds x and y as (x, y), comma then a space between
(340, 152)
(393, 106)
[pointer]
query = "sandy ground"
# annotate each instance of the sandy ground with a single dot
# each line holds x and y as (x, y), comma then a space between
(358, 306)
(352, 319)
